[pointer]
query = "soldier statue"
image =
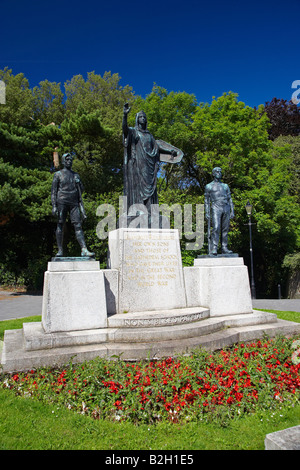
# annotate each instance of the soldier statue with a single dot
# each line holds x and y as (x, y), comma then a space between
(66, 198)
(219, 210)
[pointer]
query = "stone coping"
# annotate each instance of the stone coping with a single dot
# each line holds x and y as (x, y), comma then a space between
(216, 261)
(75, 264)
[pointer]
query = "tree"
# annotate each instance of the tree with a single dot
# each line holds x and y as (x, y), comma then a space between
(48, 103)
(230, 135)
(292, 145)
(102, 94)
(18, 109)
(284, 118)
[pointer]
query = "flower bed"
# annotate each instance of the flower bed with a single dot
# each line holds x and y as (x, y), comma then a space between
(208, 386)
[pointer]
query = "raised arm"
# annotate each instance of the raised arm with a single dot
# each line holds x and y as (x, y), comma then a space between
(126, 110)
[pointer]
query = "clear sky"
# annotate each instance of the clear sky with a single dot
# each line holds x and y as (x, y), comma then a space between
(201, 47)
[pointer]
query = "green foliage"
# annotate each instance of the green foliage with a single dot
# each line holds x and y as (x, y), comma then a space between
(18, 109)
(103, 94)
(292, 262)
(98, 150)
(230, 135)
(291, 145)
(48, 103)
(284, 118)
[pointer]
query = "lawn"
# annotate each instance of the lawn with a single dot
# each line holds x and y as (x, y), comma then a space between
(27, 422)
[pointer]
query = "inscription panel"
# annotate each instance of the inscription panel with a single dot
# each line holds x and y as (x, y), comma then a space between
(151, 263)
(150, 268)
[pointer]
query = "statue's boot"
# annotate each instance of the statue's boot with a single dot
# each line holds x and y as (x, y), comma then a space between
(59, 241)
(214, 250)
(86, 252)
(225, 251)
(80, 238)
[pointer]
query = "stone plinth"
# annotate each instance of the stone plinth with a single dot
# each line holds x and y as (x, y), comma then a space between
(287, 439)
(73, 297)
(221, 284)
(150, 269)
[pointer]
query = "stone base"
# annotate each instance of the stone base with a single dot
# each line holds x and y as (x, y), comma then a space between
(144, 335)
(146, 306)
(220, 284)
(74, 296)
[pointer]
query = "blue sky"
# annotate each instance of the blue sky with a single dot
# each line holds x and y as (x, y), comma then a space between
(205, 48)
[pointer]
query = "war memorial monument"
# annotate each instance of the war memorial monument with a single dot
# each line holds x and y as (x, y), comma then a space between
(145, 304)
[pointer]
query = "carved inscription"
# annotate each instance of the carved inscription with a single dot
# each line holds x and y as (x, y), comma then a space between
(151, 262)
(164, 320)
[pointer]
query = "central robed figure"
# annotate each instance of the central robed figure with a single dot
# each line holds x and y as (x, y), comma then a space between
(142, 154)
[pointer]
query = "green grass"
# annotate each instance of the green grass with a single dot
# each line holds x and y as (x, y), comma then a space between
(26, 424)
(16, 324)
(289, 316)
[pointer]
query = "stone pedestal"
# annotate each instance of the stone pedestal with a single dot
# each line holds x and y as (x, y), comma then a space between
(150, 269)
(73, 297)
(221, 284)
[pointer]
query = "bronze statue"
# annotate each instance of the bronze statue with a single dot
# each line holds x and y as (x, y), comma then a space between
(66, 199)
(142, 154)
(219, 210)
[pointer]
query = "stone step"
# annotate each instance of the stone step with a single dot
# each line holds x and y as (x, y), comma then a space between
(165, 333)
(188, 330)
(18, 359)
(156, 318)
(35, 337)
(213, 341)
